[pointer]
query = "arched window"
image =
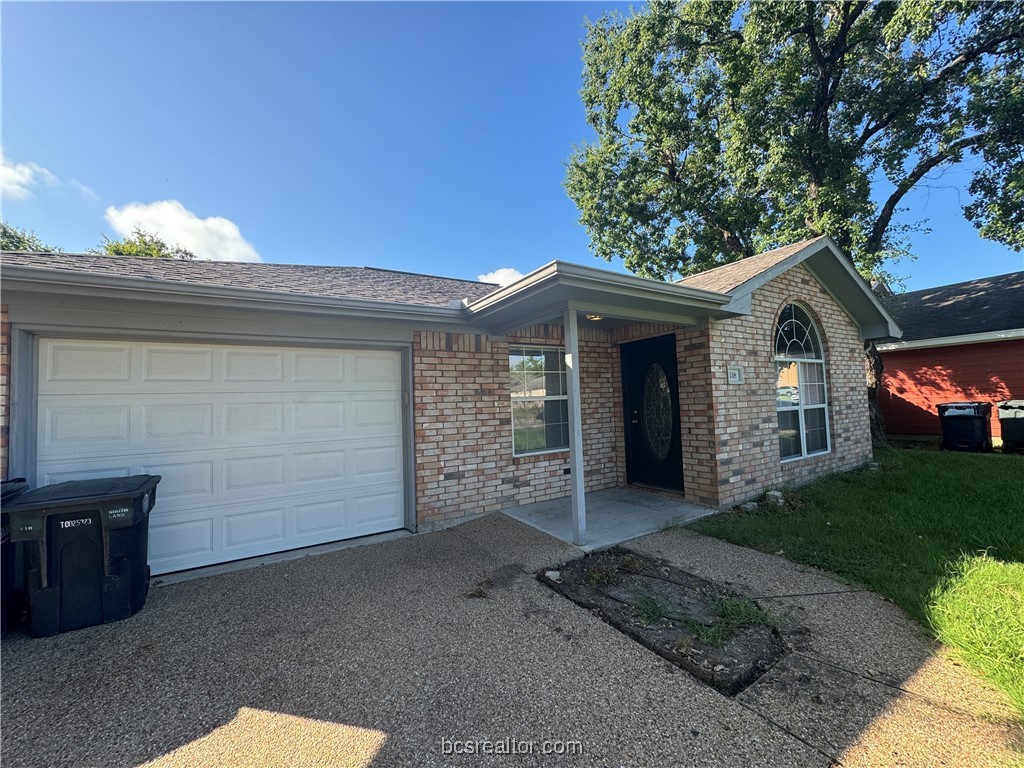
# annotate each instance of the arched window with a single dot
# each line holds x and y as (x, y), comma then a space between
(801, 397)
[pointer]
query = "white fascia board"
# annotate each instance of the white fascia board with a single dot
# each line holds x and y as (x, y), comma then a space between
(952, 341)
(28, 280)
(610, 284)
(885, 328)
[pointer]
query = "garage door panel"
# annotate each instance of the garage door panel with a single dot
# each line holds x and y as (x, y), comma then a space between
(263, 529)
(189, 480)
(68, 427)
(260, 449)
(319, 368)
(375, 411)
(245, 474)
(321, 517)
(176, 421)
(95, 473)
(162, 364)
(376, 463)
(74, 362)
(248, 364)
(178, 544)
(371, 509)
(243, 419)
(369, 367)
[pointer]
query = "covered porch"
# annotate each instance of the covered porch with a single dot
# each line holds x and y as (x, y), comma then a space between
(609, 412)
(613, 515)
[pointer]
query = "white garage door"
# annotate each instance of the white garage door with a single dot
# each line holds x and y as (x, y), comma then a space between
(261, 449)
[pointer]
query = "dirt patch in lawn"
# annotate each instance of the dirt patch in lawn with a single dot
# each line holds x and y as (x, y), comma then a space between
(718, 636)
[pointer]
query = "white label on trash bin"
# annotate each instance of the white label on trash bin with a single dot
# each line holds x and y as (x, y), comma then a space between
(119, 514)
(76, 523)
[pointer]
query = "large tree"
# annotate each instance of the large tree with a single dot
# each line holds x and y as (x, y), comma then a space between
(141, 244)
(728, 128)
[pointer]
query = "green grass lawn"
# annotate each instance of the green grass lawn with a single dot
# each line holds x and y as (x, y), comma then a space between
(940, 534)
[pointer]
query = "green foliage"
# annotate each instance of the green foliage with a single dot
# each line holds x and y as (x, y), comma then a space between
(649, 610)
(911, 532)
(141, 244)
(729, 128)
(14, 239)
(978, 610)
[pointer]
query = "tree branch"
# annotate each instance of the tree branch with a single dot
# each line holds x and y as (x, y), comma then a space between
(989, 47)
(874, 242)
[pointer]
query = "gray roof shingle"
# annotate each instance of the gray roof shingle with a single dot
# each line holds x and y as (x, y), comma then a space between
(975, 306)
(367, 283)
(729, 276)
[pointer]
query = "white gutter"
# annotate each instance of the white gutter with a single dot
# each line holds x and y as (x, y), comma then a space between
(36, 280)
(579, 276)
(952, 341)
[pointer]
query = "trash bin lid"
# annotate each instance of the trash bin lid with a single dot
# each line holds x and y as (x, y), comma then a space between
(101, 488)
(1011, 404)
(12, 488)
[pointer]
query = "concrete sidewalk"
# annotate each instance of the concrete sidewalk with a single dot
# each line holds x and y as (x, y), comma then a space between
(375, 656)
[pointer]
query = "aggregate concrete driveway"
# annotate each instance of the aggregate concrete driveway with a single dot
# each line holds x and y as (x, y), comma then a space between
(375, 656)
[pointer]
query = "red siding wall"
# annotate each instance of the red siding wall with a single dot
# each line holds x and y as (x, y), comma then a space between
(917, 380)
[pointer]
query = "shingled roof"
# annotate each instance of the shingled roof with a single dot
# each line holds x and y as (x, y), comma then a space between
(729, 276)
(369, 283)
(975, 306)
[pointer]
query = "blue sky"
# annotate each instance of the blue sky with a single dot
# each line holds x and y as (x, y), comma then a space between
(429, 137)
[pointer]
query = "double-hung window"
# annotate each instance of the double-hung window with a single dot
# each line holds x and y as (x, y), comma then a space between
(540, 403)
(801, 396)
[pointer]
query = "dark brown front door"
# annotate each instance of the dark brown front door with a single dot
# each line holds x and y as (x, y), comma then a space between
(650, 389)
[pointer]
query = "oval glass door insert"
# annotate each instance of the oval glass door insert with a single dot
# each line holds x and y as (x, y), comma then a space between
(657, 412)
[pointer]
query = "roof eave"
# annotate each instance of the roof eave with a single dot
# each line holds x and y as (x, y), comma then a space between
(549, 291)
(953, 341)
(32, 280)
(837, 275)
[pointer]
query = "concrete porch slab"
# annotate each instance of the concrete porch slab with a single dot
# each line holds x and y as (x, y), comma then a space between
(613, 515)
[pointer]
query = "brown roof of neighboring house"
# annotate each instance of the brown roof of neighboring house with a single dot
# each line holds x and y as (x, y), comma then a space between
(729, 276)
(369, 283)
(960, 309)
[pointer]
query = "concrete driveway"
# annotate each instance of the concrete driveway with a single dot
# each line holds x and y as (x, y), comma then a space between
(374, 655)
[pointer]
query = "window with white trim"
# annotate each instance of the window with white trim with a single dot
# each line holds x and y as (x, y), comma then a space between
(801, 396)
(540, 402)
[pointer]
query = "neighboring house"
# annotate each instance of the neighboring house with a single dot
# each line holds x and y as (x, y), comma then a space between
(960, 342)
(287, 405)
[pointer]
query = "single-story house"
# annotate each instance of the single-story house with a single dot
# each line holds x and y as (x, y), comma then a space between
(963, 341)
(287, 406)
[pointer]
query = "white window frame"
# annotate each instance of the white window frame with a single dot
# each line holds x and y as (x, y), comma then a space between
(513, 399)
(801, 407)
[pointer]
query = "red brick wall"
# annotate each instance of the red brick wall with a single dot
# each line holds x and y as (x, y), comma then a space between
(915, 381)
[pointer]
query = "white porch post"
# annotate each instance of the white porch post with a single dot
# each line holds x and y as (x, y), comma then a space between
(570, 324)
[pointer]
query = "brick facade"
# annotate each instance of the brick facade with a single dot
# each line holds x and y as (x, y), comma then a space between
(463, 423)
(729, 433)
(746, 421)
(462, 411)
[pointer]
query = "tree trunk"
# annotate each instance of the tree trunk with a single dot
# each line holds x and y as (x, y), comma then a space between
(873, 373)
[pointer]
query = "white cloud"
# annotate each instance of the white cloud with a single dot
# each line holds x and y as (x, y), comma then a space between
(17, 180)
(502, 276)
(84, 189)
(213, 238)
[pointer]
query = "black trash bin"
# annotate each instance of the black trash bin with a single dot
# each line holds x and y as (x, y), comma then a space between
(86, 550)
(966, 426)
(1011, 424)
(11, 598)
